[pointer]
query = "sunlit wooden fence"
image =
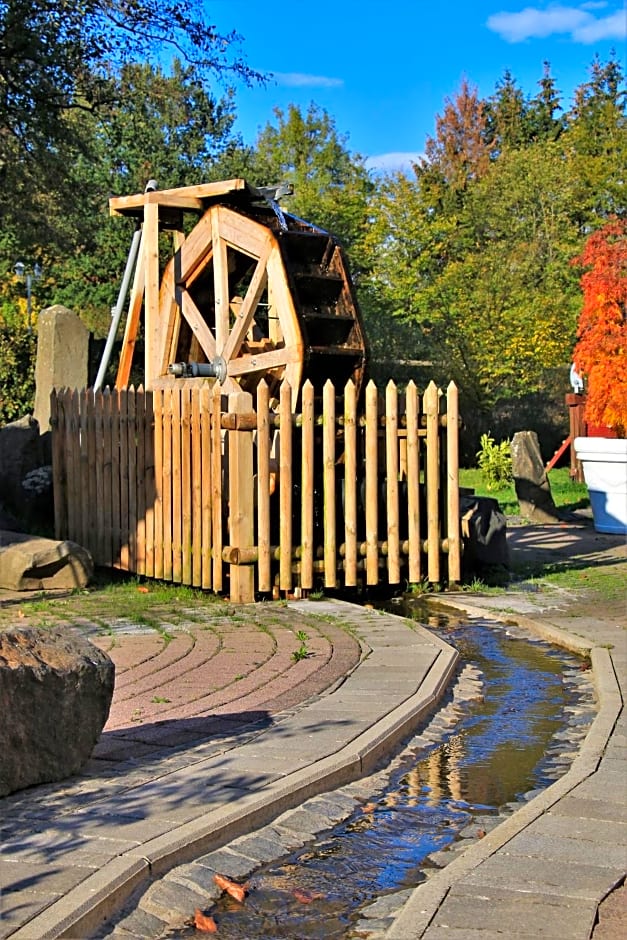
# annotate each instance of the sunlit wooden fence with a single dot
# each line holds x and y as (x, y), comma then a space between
(243, 496)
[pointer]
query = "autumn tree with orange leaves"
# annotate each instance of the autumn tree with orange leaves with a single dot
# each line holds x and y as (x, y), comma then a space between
(600, 354)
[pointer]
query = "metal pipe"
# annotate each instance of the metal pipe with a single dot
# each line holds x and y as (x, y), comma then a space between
(116, 312)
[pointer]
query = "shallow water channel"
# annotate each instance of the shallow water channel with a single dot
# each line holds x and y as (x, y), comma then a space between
(513, 732)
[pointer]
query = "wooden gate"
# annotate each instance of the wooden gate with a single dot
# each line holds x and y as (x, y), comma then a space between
(246, 497)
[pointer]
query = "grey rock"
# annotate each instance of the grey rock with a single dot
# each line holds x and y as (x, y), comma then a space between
(55, 694)
(29, 562)
(530, 479)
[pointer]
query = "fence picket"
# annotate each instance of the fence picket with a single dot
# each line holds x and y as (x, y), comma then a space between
(413, 484)
(216, 486)
(206, 471)
(285, 487)
(452, 484)
(149, 483)
(307, 489)
(328, 484)
(158, 417)
(350, 485)
(431, 403)
(196, 485)
(264, 573)
(372, 484)
(391, 482)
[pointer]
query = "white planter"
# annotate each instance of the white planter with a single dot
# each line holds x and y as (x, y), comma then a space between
(604, 462)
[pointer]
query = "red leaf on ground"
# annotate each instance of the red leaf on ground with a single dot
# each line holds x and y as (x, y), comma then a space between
(204, 922)
(143, 590)
(236, 890)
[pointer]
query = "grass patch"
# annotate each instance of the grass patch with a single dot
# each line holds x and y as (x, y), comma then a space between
(112, 596)
(567, 494)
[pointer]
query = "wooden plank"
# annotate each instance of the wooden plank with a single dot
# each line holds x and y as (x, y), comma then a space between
(264, 572)
(73, 470)
(177, 488)
(167, 484)
(186, 487)
(413, 483)
(115, 477)
(131, 438)
(328, 476)
(285, 487)
(124, 558)
(131, 328)
(84, 467)
(241, 501)
(220, 283)
(350, 484)
(158, 408)
(307, 487)
(150, 254)
(263, 361)
(107, 475)
(240, 232)
(452, 484)
(431, 406)
(198, 326)
(149, 482)
(372, 484)
(194, 255)
(59, 478)
(391, 482)
(93, 492)
(196, 487)
(127, 205)
(140, 437)
(216, 487)
(205, 435)
(98, 462)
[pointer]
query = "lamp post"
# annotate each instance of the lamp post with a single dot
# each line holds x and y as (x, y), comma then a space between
(23, 271)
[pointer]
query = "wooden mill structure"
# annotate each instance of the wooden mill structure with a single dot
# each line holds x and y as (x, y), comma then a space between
(251, 455)
(248, 292)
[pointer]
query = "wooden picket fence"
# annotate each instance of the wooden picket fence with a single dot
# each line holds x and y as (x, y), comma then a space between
(245, 497)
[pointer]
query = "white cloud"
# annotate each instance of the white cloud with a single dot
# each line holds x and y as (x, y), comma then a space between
(397, 162)
(302, 80)
(577, 22)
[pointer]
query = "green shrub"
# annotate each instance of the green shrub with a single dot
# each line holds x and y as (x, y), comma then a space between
(18, 350)
(495, 462)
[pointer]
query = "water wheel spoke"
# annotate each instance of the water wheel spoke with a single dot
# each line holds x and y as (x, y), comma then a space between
(248, 307)
(257, 362)
(199, 328)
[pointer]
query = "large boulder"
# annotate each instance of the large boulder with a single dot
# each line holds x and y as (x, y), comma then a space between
(21, 452)
(32, 563)
(484, 535)
(55, 693)
(530, 480)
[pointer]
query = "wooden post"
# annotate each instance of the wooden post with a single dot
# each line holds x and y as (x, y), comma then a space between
(307, 489)
(158, 409)
(452, 484)
(372, 484)
(285, 487)
(328, 461)
(391, 494)
(350, 484)
(577, 424)
(241, 500)
(216, 486)
(196, 483)
(431, 404)
(413, 483)
(206, 498)
(264, 572)
(150, 257)
(150, 485)
(140, 437)
(59, 478)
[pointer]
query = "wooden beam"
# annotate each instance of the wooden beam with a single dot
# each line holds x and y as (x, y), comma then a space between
(150, 254)
(184, 197)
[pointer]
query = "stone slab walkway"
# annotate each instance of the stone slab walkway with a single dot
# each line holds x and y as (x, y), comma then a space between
(212, 733)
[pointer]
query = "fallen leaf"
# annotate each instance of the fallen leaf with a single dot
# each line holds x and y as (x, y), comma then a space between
(20, 614)
(204, 922)
(236, 890)
(480, 833)
(305, 897)
(143, 590)
(369, 808)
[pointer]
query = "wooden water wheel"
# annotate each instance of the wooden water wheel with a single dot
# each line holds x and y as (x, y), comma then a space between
(248, 292)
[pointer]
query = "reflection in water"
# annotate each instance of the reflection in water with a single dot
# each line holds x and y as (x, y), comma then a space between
(495, 753)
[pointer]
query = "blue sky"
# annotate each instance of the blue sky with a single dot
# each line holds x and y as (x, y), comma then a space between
(383, 70)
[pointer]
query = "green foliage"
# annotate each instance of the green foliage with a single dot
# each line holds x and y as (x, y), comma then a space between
(17, 372)
(495, 461)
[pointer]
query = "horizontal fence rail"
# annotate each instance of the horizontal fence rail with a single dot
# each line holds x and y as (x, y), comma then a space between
(241, 495)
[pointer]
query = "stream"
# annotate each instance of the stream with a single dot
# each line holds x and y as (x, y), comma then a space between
(507, 731)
